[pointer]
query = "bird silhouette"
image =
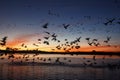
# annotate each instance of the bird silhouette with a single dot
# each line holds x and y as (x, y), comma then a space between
(25, 46)
(96, 44)
(108, 39)
(45, 25)
(2, 58)
(94, 58)
(87, 39)
(3, 41)
(49, 59)
(57, 60)
(54, 39)
(65, 58)
(66, 25)
(78, 39)
(109, 21)
(11, 56)
(44, 59)
(1, 54)
(35, 44)
(95, 40)
(53, 49)
(118, 22)
(46, 38)
(90, 43)
(22, 45)
(47, 32)
(69, 60)
(106, 23)
(46, 42)
(58, 41)
(39, 39)
(77, 47)
(65, 39)
(54, 35)
(58, 47)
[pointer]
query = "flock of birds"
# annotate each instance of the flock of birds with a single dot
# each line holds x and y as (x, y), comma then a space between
(68, 45)
(65, 45)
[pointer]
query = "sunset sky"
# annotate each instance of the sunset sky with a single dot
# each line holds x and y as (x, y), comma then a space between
(22, 22)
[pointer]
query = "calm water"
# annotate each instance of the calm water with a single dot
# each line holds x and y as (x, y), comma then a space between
(82, 71)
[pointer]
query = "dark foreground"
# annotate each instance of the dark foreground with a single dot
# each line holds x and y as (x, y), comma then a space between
(71, 53)
(41, 66)
(56, 72)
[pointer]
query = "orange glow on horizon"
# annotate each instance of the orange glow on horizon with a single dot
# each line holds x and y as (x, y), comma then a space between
(25, 38)
(82, 49)
(99, 48)
(91, 48)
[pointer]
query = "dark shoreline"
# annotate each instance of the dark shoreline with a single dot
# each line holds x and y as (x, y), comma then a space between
(71, 53)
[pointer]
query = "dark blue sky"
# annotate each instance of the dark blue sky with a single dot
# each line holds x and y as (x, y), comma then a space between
(86, 18)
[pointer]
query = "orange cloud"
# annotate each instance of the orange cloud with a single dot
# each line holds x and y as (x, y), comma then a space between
(21, 39)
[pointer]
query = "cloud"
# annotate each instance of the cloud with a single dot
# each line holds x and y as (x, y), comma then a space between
(24, 38)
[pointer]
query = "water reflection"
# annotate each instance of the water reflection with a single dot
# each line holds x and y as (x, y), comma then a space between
(62, 59)
(45, 67)
(12, 72)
